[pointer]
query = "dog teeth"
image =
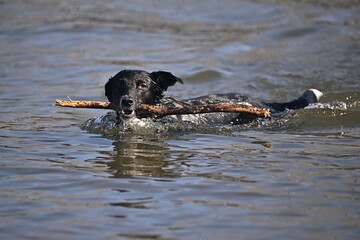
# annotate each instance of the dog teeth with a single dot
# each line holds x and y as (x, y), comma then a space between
(128, 113)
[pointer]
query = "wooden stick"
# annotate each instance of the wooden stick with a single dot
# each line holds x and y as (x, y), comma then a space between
(84, 104)
(162, 111)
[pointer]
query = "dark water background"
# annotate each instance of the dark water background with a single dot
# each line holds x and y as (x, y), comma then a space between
(292, 178)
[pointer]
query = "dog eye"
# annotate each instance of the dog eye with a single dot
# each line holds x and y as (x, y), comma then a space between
(142, 86)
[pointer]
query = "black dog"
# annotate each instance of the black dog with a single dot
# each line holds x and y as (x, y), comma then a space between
(130, 88)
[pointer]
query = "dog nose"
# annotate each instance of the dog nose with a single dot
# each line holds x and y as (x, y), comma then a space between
(127, 101)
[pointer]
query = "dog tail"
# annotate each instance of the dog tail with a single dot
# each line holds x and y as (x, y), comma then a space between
(308, 97)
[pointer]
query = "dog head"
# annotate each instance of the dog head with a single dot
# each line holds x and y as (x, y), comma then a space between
(130, 88)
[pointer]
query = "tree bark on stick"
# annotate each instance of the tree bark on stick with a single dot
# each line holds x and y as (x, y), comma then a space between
(84, 104)
(162, 111)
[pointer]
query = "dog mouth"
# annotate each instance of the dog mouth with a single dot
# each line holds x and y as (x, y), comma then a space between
(127, 113)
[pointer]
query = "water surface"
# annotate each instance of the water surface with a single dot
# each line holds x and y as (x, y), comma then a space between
(294, 177)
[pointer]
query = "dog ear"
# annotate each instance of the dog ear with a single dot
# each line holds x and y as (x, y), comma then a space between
(109, 88)
(164, 79)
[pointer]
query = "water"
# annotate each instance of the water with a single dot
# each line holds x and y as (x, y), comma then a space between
(295, 177)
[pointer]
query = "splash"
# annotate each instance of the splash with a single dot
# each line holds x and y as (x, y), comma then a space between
(315, 116)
